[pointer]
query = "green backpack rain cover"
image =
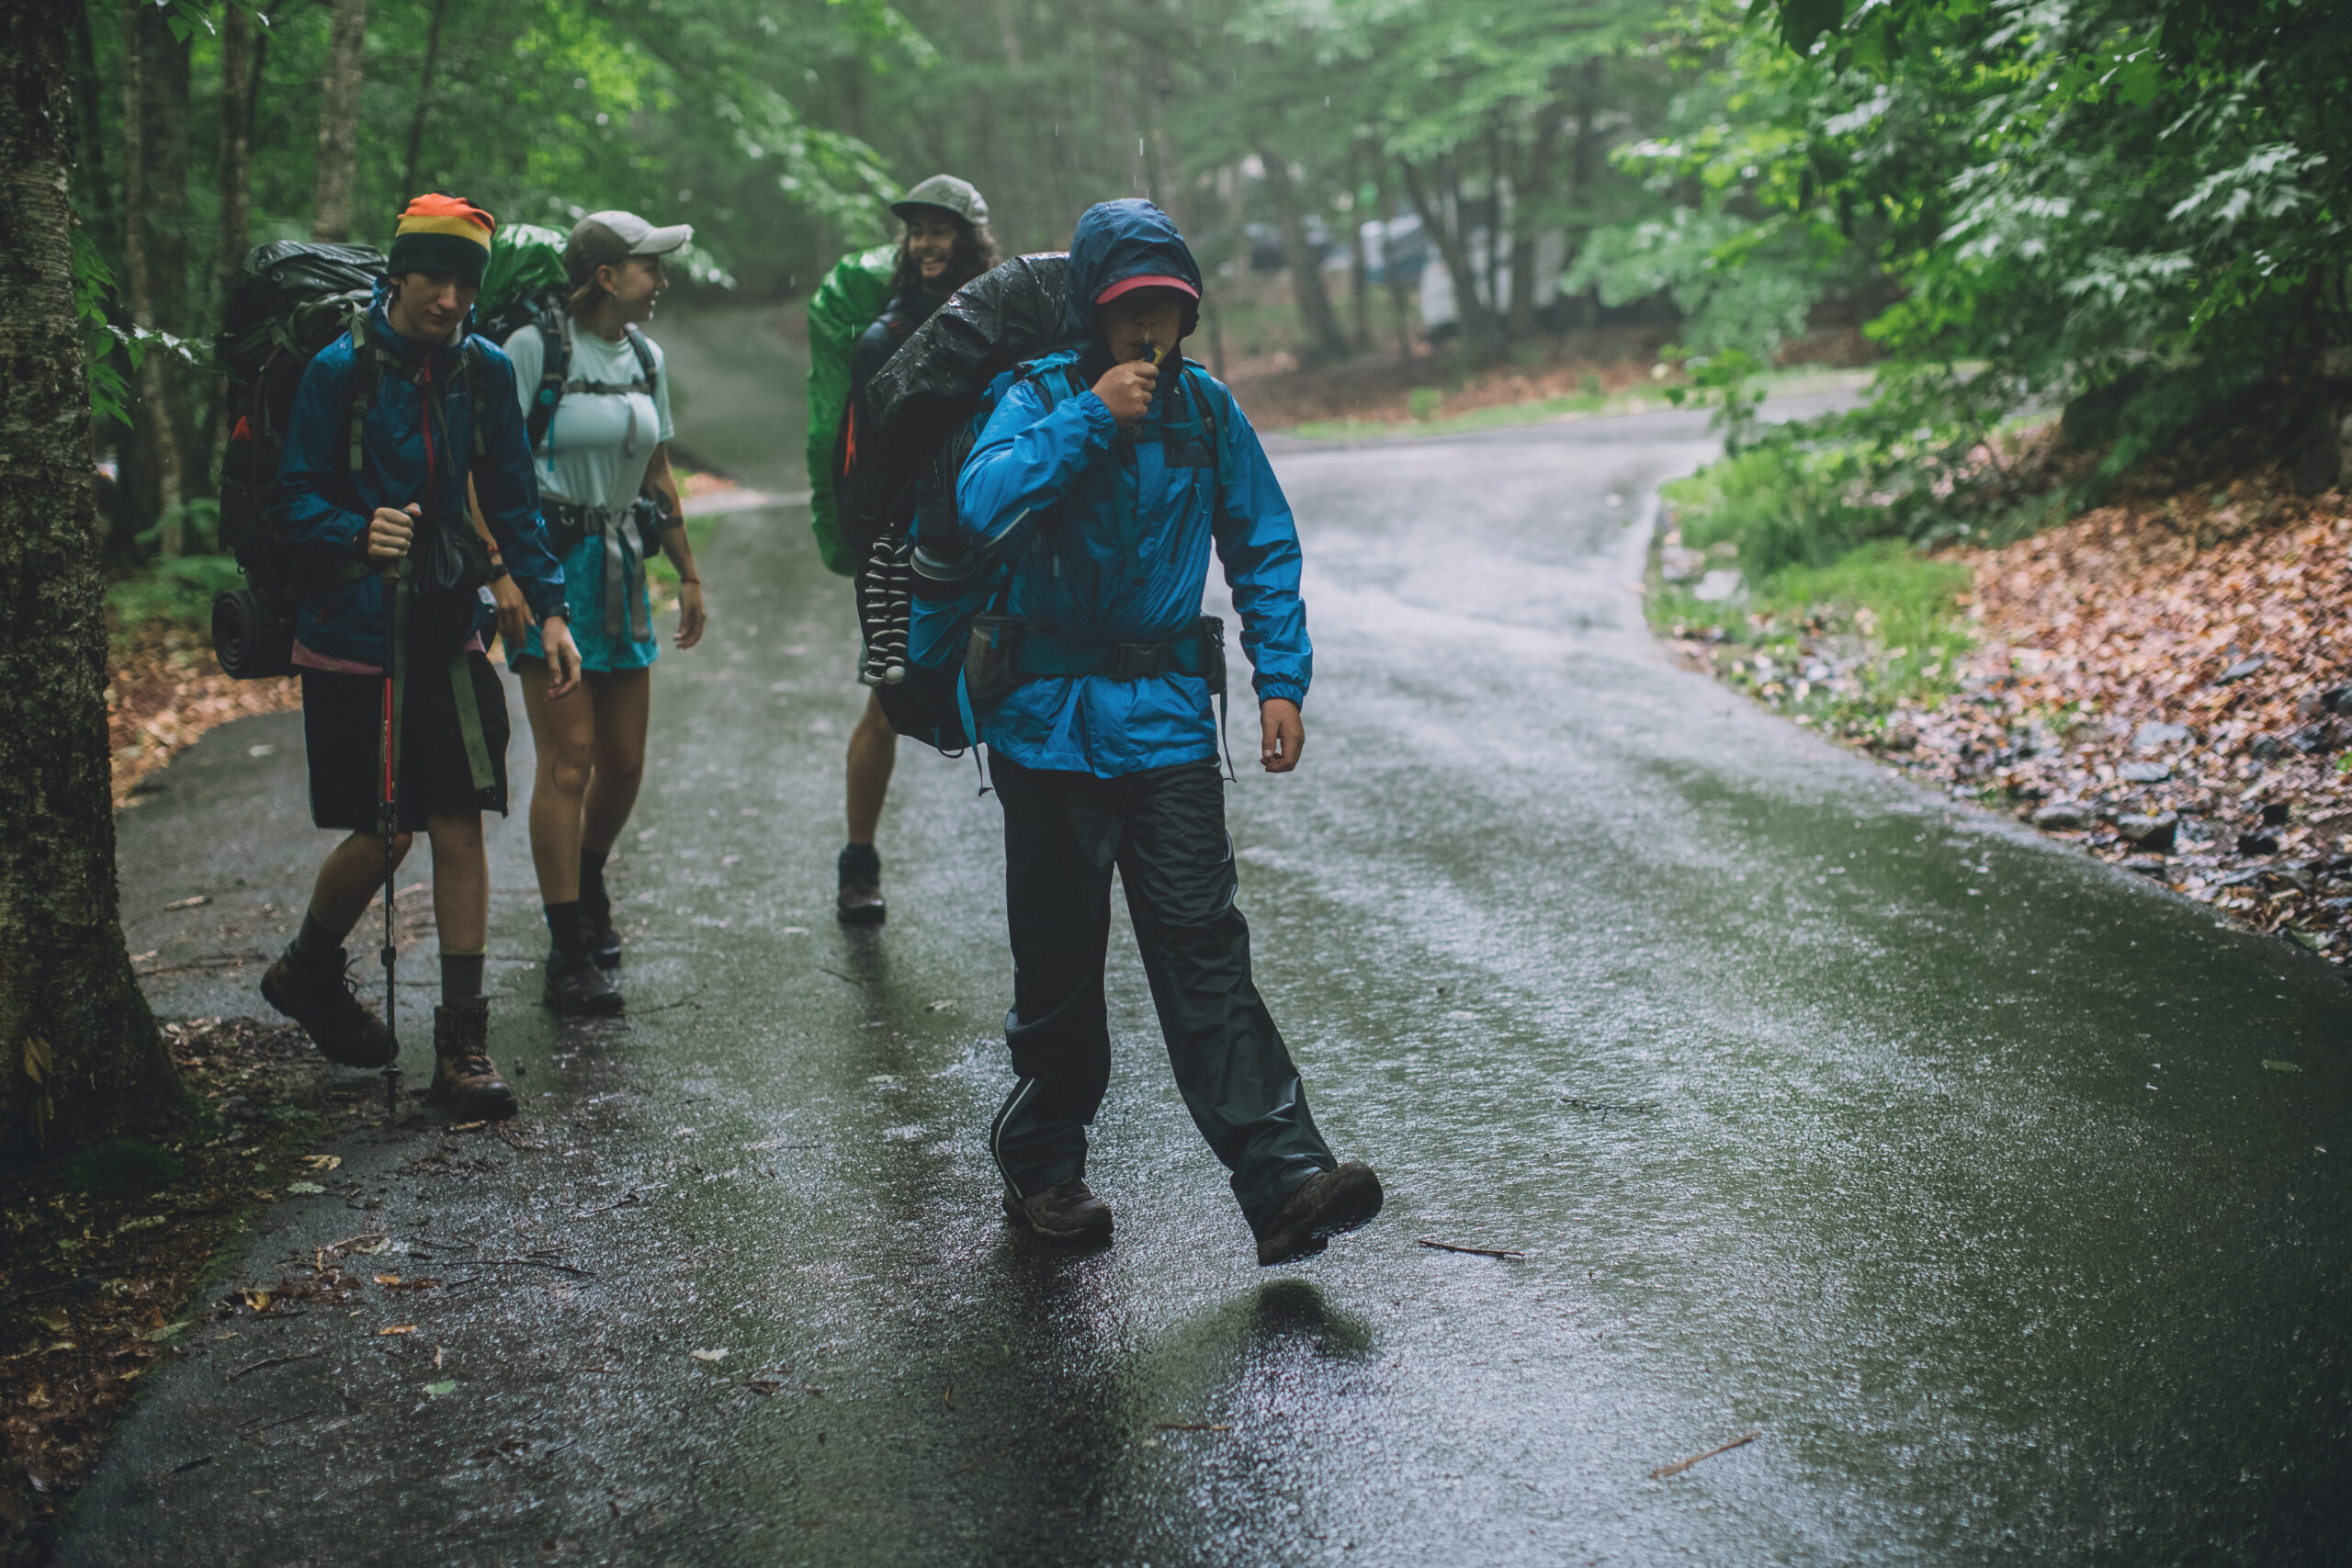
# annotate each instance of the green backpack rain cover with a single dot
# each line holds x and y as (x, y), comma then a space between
(523, 260)
(849, 300)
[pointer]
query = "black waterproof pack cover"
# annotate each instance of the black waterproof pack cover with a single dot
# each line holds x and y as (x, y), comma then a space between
(894, 471)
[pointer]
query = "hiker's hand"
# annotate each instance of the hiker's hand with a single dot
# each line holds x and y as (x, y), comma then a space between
(562, 656)
(1283, 735)
(514, 611)
(690, 611)
(1125, 390)
(389, 532)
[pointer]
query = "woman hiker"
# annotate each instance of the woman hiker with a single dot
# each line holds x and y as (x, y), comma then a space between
(947, 244)
(608, 445)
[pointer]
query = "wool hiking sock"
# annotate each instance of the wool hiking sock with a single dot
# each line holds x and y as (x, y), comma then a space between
(316, 946)
(461, 974)
(593, 900)
(563, 925)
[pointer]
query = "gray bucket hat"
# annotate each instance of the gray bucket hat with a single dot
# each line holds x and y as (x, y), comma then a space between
(945, 193)
(610, 238)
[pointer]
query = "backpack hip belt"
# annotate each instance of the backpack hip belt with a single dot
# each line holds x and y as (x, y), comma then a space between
(1199, 651)
(615, 524)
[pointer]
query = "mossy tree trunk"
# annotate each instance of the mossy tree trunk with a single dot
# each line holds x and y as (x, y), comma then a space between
(78, 1047)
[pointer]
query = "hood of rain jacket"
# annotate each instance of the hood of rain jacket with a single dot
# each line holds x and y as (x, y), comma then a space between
(406, 456)
(1110, 533)
(1116, 241)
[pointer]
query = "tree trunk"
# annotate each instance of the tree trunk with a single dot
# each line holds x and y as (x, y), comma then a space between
(1008, 34)
(1359, 265)
(1324, 338)
(78, 1047)
(338, 166)
(233, 167)
(91, 155)
(1388, 258)
(1584, 167)
(1478, 322)
(1527, 215)
(155, 250)
(423, 99)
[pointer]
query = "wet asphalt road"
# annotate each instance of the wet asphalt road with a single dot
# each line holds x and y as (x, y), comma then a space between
(1966, 1172)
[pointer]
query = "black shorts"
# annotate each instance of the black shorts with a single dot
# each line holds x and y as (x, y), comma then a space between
(343, 720)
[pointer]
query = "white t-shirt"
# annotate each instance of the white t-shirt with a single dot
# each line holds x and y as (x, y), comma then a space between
(593, 461)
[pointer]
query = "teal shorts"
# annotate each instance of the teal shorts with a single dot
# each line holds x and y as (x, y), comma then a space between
(583, 599)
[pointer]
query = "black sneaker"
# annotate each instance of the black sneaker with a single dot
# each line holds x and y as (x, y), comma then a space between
(1067, 1213)
(860, 902)
(326, 1003)
(1325, 1204)
(598, 935)
(576, 986)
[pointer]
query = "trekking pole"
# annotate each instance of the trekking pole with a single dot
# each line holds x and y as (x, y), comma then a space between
(387, 818)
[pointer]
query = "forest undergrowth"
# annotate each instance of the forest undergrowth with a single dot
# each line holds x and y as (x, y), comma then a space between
(2165, 680)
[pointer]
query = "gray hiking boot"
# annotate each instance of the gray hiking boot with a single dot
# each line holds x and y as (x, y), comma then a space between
(1067, 1213)
(1324, 1205)
(326, 1003)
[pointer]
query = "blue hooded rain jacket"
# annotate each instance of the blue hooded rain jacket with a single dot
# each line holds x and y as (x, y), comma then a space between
(323, 507)
(1113, 534)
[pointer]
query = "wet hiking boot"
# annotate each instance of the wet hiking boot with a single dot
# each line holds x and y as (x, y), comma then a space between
(600, 937)
(326, 1003)
(463, 1078)
(1067, 1213)
(860, 903)
(577, 985)
(1324, 1205)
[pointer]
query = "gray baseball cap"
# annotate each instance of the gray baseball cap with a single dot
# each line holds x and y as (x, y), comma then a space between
(947, 194)
(608, 239)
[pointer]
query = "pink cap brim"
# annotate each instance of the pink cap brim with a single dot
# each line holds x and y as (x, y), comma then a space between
(1150, 280)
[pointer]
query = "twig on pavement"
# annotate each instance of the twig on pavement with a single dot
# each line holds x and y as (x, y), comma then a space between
(1679, 1466)
(1475, 1251)
(273, 1361)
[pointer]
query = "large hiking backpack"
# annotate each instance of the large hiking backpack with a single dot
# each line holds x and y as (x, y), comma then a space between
(851, 299)
(292, 299)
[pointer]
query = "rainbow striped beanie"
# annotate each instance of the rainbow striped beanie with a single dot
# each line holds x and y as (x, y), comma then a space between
(443, 233)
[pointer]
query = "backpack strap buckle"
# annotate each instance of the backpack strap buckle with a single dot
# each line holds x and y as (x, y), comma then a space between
(1133, 660)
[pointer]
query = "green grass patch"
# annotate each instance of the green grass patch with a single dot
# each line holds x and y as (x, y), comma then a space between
(1835, 624)
(121, 1167)
(178, 591)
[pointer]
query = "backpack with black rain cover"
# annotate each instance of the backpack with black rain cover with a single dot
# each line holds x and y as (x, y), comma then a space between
(902, 445)
(291, 298)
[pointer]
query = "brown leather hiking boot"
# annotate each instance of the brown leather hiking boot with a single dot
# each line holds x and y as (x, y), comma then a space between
(463, 1078)
(326, 1003)
(1325, 1205)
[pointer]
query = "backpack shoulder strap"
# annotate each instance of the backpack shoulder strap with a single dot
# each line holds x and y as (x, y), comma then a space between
(365, 351)
(644, 350)
(555, 366)
(469, 367)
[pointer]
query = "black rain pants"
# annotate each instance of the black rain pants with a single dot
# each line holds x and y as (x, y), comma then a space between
(1164, 831)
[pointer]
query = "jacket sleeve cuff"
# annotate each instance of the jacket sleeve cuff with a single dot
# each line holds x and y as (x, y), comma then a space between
(1098, 413)
(1284, 691)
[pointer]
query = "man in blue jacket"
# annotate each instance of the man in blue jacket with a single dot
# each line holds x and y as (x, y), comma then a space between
(1107, 474)
(389, 425)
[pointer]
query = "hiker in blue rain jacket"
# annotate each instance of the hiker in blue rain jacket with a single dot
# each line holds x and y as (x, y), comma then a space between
(389, 424)
(1106, 475)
